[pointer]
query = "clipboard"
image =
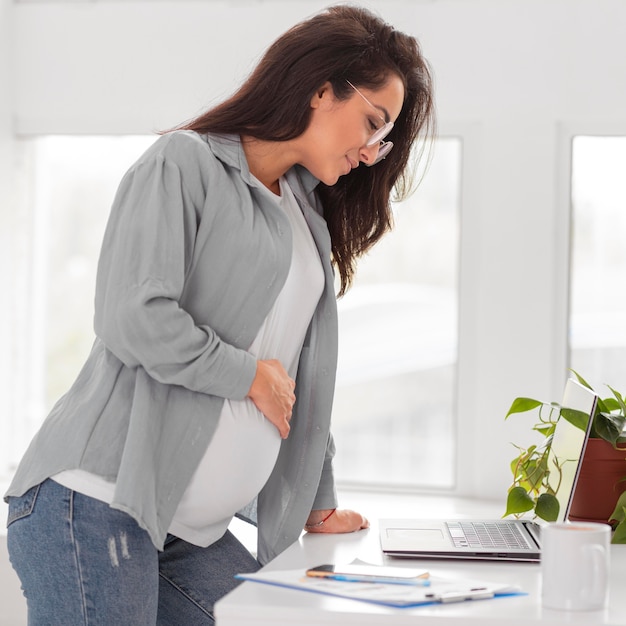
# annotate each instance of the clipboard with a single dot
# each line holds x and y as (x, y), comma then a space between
(440, 590)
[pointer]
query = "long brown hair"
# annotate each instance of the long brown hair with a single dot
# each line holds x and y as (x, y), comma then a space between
(341, 43)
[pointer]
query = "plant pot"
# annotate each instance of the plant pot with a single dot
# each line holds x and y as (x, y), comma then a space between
(599, 485)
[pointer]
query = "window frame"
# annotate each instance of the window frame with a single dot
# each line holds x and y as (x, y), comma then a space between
(566, 133)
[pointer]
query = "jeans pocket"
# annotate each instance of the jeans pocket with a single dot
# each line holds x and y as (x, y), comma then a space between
(22, 506)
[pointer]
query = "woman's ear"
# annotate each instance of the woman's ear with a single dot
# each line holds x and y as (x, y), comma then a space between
(322, 95)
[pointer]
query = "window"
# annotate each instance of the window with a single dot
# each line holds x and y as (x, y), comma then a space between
(394, 409)
(597, 329)
(70, 184)
(393, 417)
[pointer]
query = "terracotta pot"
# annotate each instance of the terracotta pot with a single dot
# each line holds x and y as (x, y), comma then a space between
(599, 485)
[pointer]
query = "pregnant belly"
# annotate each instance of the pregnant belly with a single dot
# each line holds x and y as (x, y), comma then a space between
(236, 465)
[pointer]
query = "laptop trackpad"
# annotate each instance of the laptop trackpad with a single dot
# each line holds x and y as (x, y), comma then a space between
(417, 538)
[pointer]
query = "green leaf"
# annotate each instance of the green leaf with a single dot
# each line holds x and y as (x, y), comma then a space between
(521, 405)
(547, 507)
(619, 514)
(536, 474)
(546, 430)
(518, 501)
(620, 414)
(514, 466)
(580, 419)
(620, 400)
(581, 380)
(619, 536)
(608, 405)
(608, 426)
(530, 469)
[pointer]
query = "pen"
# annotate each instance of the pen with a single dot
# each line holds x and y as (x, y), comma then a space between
(419, 582)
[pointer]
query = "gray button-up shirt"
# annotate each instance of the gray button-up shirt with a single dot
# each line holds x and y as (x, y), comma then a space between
(193, 258)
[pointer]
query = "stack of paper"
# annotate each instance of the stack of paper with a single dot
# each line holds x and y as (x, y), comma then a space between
(402, 596)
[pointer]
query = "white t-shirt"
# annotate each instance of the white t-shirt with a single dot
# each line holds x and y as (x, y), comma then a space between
(244, 448)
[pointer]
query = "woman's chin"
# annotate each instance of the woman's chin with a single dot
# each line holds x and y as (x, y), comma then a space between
(332, 178)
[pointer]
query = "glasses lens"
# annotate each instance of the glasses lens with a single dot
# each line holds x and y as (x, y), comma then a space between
(380, 134)
(383, 150)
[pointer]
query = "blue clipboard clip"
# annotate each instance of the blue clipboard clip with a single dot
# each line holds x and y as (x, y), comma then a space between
(461, 596)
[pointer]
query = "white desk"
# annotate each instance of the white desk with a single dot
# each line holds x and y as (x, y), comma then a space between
(263, 605)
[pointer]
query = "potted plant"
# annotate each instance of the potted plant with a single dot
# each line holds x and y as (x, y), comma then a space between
(531, 491)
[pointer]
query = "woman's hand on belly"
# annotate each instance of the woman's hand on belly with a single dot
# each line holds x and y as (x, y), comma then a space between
(272, 392)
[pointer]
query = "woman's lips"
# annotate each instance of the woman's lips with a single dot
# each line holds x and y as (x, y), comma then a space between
(351, 163)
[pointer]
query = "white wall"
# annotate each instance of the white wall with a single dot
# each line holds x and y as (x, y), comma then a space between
(7, 214)
(515, 77)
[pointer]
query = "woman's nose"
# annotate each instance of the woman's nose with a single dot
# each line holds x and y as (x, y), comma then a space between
(368, 154)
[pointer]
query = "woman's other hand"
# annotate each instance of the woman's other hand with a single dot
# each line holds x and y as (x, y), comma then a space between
(272, 392)
(335, 521)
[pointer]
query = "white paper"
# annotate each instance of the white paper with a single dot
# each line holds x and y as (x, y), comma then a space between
(386, 594)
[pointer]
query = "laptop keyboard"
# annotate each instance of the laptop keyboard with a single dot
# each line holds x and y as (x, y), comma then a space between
(486, 535)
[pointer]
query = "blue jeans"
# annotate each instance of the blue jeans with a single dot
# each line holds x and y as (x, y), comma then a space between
(81, 562)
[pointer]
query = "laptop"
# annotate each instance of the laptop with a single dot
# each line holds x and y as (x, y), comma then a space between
(499, 539)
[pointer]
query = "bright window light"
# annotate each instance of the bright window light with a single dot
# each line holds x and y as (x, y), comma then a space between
(597, 328)
(393, 418)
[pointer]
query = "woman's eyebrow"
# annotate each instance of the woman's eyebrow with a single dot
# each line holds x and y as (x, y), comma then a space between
(386, 115)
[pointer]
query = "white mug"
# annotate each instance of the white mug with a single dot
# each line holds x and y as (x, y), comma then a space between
(575, 566)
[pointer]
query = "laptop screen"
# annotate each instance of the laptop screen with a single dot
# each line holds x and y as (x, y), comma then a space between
(568, 444)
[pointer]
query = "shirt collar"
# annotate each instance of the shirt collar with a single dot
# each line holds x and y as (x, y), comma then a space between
(229, 149)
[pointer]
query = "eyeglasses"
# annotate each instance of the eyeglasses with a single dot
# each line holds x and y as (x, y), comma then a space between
(384, 147)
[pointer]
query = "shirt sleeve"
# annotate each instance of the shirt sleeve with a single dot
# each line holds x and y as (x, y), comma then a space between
(147, 248)
(326, 496)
